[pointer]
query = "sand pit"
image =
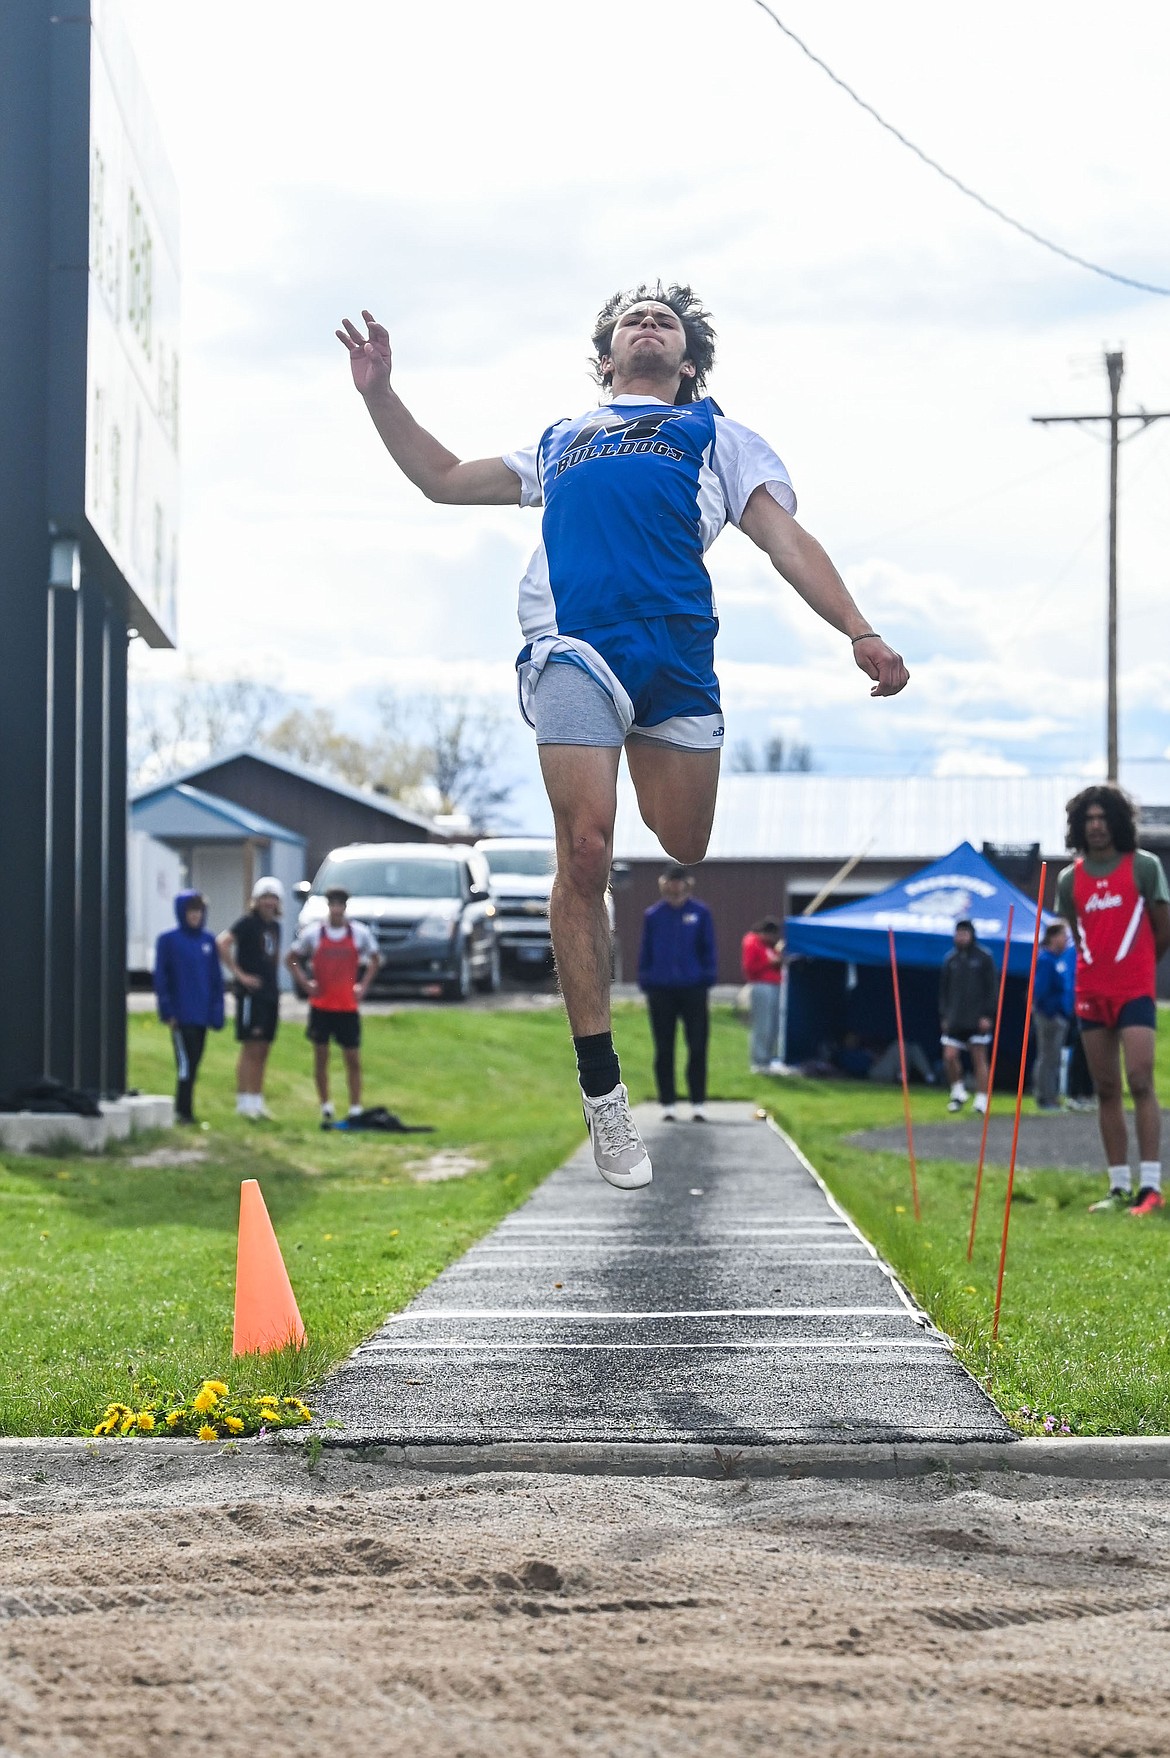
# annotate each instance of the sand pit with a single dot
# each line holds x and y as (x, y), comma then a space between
(231, 1602)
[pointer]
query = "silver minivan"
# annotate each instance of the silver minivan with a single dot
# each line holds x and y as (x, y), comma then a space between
(429, 906)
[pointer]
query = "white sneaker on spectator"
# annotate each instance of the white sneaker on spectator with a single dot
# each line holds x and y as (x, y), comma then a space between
(981, 1102)
(668, 1114)
(778, 1067)
(619, 1152)
(698, 1113)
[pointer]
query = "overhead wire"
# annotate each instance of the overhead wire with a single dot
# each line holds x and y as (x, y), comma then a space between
(990, 207)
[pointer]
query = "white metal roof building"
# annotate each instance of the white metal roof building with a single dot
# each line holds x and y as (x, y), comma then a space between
(779, 840)
(799, 817)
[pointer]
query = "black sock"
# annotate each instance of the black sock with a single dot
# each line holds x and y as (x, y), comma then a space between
(597, 1065)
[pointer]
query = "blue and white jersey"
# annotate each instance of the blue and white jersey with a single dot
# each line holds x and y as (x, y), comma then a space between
(634, 494)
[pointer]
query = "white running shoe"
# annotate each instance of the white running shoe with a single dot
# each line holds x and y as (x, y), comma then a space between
(980, 1102)
(698, 1114)
(619, 1152)
(668, 1114)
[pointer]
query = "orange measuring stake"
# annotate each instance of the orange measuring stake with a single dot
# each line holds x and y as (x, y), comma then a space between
(1007, 948)
(905, 1080)
(1007, 1207)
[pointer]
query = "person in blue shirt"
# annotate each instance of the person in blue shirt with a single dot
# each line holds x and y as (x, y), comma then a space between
(188, 985)
(1053, 1010)
(619, 620)
(676, 968)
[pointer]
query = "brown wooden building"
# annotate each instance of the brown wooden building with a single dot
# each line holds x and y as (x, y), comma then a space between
(326, 812)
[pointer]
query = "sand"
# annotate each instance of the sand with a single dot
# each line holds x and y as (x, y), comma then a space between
(223, 1603)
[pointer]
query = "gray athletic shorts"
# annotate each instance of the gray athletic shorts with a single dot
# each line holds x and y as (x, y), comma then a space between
(570, 707)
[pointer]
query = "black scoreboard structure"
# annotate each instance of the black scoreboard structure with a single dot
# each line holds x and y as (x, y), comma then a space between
(89, 387)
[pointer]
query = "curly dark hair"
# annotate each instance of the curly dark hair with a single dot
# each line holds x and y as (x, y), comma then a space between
(687, 307)
(1120, 815)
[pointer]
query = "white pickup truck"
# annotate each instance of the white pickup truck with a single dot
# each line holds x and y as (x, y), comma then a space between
(522, 869)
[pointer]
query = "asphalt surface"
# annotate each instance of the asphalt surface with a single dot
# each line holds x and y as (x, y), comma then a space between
(1066, 1141)
(728, 1303)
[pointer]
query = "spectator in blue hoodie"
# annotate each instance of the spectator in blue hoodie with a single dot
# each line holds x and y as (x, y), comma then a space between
(189, 987)
(676, 968)
(1053, 1010)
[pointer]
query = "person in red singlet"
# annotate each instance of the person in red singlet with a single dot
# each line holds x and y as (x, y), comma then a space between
(1116, 899)
(333, 962)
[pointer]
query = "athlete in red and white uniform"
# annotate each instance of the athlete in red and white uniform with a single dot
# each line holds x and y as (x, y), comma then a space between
(1117, 900)
(343, 957)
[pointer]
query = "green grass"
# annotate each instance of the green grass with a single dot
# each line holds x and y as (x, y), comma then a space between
(1085, 1323)
(110, 1272)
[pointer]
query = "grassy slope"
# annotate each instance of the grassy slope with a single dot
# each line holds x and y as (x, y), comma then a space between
(107, 1270)
(1085, 1323)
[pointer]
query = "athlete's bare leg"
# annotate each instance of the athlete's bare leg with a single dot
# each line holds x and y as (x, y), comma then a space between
(1102, 1053)
(979, 1065)
(581, 783)
(250, 1066)
(952, 1064)
(1137, 1047)
(321, 1071)
(353, 1076)
(676, 792)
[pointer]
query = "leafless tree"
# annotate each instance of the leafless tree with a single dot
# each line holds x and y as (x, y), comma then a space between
(773, 758)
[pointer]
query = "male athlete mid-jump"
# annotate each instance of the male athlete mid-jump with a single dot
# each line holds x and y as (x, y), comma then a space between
(619, 622)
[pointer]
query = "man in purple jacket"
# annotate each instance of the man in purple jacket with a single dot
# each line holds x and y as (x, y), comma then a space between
(189, 987)
(676, 968)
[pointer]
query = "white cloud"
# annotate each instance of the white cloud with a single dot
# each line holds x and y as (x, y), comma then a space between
(889, 338)
(969, 760)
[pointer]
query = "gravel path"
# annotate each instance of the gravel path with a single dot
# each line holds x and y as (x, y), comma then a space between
(1064, 1140)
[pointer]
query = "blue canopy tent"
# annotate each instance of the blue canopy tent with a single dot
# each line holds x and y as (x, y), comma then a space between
(839, 977)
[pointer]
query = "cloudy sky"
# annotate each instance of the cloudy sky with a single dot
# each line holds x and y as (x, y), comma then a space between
(482, 173)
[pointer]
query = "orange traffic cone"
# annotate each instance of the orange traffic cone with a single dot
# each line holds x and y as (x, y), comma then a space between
(266, 1308)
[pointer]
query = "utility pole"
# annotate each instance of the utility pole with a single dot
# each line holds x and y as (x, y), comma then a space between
(1115, 367)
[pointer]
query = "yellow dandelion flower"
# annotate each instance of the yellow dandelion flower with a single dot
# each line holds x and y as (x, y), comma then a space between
(129, 1422)
(216, 1386)
(102, 1428)
(205, 1399)
(271, 1418)
(207, 1433)
(145, 1421)
(234, 1424)
(174, 1417)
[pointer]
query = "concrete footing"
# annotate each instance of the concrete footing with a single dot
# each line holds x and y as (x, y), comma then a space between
(38, 1132)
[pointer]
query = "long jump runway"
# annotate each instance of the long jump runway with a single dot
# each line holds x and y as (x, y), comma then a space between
(729, 1303)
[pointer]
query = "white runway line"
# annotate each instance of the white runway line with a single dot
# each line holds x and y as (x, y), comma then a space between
(616, 1236)
(450, 1313)
(577, 1248)
(827, 1345)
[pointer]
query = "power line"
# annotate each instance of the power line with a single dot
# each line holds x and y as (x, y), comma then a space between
(989, 206)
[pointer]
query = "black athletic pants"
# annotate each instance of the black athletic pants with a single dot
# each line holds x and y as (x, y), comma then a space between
(667, 1007)
(188, 1041)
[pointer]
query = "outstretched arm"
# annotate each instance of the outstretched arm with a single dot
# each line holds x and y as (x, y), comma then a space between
(484, 482)
(804, 564)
